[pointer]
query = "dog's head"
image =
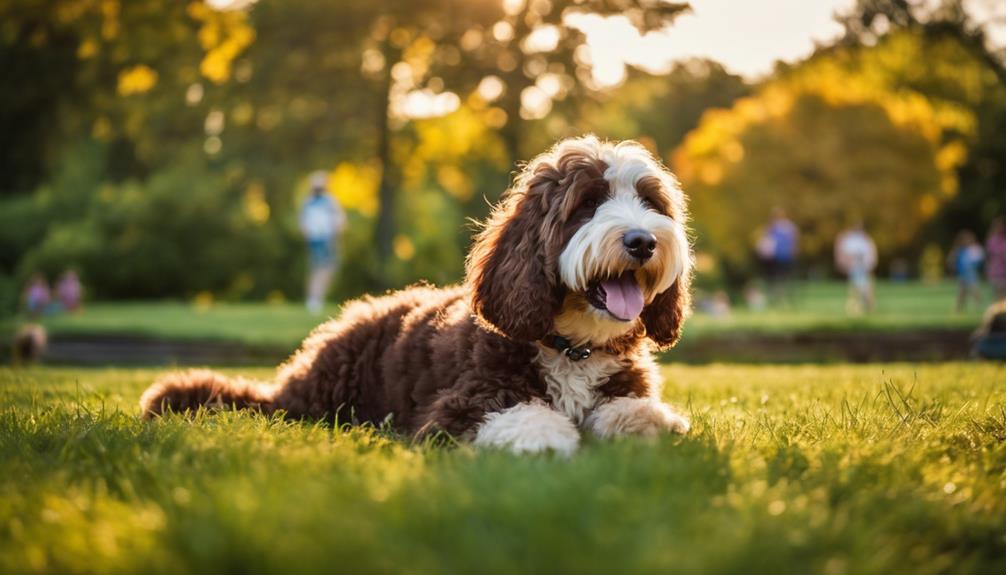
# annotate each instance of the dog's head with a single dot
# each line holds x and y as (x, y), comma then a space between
(589, 243)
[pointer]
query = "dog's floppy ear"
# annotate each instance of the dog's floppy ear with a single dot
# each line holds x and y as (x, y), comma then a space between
(514, 287)
(666, 314)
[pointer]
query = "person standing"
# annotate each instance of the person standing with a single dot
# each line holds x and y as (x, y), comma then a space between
(69, 291)
(37, 295)
(321, 221)
(782, 238)
(995, 253)
(966, 258)
(856, 257)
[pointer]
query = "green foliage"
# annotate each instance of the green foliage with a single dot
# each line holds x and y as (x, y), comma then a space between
(184, 230)
(661, 110)
(856, 163)
(860, 469)
(230, 109)
(962, 67)
(855, 132)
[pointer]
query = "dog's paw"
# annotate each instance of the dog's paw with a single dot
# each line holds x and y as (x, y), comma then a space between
(529, 428)
(635, 416)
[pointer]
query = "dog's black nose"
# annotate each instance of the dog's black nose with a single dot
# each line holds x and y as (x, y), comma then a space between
(640, 244)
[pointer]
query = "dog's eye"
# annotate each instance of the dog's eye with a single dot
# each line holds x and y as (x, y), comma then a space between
(590, 203)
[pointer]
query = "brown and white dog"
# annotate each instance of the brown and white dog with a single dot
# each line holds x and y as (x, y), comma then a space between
(581, 270)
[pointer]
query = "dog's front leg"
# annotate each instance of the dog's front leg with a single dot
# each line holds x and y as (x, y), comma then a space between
(645, 416)
(527, 425)
(530, 427)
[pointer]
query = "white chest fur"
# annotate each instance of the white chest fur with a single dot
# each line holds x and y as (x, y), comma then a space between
(572, 385)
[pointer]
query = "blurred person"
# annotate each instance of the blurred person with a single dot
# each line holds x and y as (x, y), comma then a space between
(765, 250)
(321, 221)
(856, 257)
(37, 295)
(899, 270)
(69, 291)
(29, 344)
(716, 305)
(720, 305)
(995, 254)
(966, 258)
(780, 243)
(754, 297)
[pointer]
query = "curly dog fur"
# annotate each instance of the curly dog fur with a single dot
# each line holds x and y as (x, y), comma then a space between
(475, 360)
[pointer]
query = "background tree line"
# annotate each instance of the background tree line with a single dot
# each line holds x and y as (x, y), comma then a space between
(162, 148)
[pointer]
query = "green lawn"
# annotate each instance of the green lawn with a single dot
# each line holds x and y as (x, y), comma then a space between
(839, 469)
(820, 307)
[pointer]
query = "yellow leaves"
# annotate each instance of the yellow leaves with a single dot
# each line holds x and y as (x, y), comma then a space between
(403, 247)
(101, 129)
(418, 55)
(844, 133)
(495, 117)
(109, 19)
(711, 174)
(949, 157)
(733, 151)
(87, 49)
(454, 181)
(355, 185)
(216, 65)
(70, 12)
(457, 135)
(203, 301)
(223, 35)
(255, 205)
(136, 80)
(705, 262)
(928, 204)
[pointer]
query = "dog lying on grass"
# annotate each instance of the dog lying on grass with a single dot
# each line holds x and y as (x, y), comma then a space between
(581, 270)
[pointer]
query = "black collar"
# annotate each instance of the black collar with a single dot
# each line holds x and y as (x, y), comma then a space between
(566, 347)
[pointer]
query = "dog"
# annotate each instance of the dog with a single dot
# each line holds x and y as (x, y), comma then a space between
(581, 271)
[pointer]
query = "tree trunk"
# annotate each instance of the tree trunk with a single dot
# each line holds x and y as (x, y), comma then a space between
(385, 229)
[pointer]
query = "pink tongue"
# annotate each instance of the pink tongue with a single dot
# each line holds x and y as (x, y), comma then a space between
(623, 298)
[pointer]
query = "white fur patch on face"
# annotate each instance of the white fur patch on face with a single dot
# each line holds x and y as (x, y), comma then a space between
(596, 251)
(635, 416)
(529, 428)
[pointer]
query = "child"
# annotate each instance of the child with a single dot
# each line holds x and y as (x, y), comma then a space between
(966, 258)
(36, 295)
(69, 291)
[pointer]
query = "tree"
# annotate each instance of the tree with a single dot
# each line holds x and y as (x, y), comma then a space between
(661, 110)
(826, 156)
(455, 46)
(970, 71)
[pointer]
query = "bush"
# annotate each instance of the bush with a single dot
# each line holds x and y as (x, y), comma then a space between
(184, 230)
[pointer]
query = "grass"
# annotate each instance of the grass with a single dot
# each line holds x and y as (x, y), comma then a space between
(839, 469)
(819, 307)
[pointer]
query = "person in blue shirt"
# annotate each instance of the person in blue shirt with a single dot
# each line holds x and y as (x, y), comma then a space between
(966, 259)
(779, 246)
(321, 221)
